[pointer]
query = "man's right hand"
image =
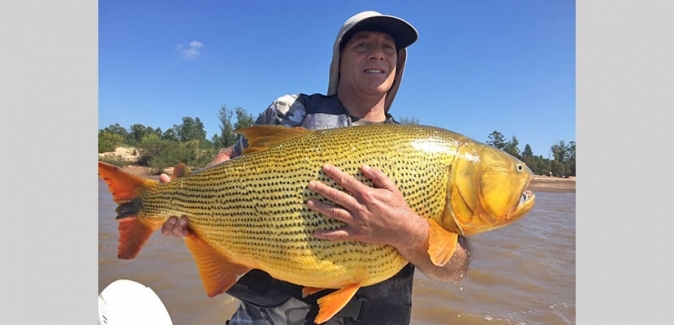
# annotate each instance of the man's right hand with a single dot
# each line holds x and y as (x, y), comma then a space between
(177, 227)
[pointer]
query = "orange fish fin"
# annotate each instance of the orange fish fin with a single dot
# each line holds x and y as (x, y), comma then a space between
(441, 243)
(132, 236)
(307, 291)
(180, 170)
(217, 273)
(123, 186)
(332, 303)
(263, 137)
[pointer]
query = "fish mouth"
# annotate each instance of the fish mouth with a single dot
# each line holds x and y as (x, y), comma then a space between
(526, 196)
(525, 204)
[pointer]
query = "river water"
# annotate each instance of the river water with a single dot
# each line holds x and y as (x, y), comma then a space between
(524, 273)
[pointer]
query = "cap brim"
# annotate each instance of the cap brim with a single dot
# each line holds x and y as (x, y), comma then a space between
(402, 32)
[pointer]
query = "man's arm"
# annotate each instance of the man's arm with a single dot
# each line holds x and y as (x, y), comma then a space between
(380, 215)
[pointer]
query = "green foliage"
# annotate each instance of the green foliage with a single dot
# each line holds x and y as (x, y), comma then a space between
(563, 164)
(190, 129)
(108, 141)
(136, 133)
(560, 151)
(497, 140)
(541, 166)
(243, 119)
(571, 167)
(158, 153)
(185, 143)
(117, 129)
(527, 152)
(227, 136)
(564, 159)
(511, 148)
(170, 135)
(558, 169)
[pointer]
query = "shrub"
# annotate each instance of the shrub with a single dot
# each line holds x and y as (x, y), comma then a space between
(108, 141)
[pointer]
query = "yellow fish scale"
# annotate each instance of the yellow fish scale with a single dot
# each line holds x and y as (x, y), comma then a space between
(253, 208)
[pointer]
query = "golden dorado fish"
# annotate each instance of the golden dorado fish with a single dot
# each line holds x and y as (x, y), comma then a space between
(251, 212)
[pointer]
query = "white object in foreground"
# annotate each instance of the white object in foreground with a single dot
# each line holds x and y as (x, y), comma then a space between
(126, 302)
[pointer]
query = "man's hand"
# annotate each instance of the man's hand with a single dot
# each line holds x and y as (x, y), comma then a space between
(176, 227)
(376, 215)
(380, 215)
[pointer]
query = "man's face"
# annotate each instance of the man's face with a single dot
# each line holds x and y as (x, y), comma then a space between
(368, 63)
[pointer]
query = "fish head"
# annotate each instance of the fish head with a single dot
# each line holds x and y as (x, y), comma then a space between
(488, 189)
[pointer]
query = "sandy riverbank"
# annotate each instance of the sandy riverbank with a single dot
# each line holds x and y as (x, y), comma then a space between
(553, 184)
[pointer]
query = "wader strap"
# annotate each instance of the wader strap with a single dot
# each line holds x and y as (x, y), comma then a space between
(260, 289)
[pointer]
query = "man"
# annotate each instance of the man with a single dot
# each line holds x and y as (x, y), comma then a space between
(369, 56)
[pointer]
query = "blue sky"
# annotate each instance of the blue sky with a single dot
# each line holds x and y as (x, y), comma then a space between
(478, 66)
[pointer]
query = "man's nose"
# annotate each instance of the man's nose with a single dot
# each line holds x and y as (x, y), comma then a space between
(377, 54)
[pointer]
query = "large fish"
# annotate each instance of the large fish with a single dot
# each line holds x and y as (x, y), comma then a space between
(251, 213)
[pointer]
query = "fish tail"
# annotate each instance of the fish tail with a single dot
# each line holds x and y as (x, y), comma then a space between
(125, 187)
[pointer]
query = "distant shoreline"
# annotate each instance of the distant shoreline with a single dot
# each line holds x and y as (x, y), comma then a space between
(553, 184)
(538, 184)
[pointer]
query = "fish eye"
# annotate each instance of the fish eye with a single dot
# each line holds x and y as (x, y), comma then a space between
(520, 167)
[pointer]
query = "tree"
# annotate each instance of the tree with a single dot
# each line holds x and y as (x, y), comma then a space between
(541, 166)
(170, 135)
(108, 141)
(117, 129)
(190, 129)
(571, 162)
(243, 119)
(572, 150)
(136, 134)
(227, 136)
(564, 158)
(511, 147)
(560, 151)
(497, 140)
(558, 169)
(528, 158)
(527, 151)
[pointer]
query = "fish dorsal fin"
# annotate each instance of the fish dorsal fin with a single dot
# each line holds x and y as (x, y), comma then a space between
(123, 186)
(441, 243)
(180, 170)
(263, 137)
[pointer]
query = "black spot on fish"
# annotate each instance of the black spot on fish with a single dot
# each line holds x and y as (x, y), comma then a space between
(128, 209)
